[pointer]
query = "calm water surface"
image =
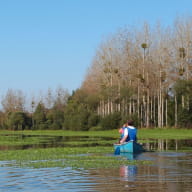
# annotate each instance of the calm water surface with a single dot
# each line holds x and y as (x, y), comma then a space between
(169, 172)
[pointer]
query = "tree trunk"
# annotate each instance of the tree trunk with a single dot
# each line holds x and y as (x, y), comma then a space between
(175, 111)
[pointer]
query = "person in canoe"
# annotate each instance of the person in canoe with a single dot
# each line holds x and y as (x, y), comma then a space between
(129, 132)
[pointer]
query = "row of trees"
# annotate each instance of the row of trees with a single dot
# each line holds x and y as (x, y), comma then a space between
(44, 112)
(56, 110)
(140, 73)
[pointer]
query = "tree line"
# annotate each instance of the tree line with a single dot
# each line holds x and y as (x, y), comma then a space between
(142, 73)
(145, 73)
(45, 112)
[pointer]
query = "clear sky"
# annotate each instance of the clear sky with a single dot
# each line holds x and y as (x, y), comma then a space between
(50, 43)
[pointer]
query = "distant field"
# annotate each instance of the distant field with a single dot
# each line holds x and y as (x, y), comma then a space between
(142, 133)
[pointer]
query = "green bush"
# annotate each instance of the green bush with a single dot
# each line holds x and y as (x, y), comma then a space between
(96, 128)
(93, 120)
(111, 121)
(185, 118)
(133, 117)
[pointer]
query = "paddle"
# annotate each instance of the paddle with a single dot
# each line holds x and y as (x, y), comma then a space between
(117, 151)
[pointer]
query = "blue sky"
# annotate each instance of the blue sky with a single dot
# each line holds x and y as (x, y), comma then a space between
(50, 43)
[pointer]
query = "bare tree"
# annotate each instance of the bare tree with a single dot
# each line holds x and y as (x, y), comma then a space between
(14, 100)
(134, 71)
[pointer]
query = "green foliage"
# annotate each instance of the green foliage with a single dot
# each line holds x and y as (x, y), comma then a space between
(93, 120)
(62, 156)
(144, 45)
(171, 115)
(111, 121)
(183, 90)
(182, 53)
(133, 117)
(94, 157)
(162, 133)
(183, 87)
(92, 101)
(2, 120)
(76, 116)
(17, 121)
(39, 117)
(80, 113)
(185, 118)
(55, 118)
(96, 128)
(126, 92)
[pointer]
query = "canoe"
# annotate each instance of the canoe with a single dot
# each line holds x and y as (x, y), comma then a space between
(129, 147)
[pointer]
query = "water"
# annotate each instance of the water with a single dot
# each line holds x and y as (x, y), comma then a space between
(49, 179)
(43, 141)
(170, 171)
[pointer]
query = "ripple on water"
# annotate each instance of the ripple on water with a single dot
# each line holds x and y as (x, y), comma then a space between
(170, 171)
(46, 179)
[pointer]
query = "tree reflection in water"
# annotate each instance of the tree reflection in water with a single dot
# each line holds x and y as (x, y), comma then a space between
(168, 144)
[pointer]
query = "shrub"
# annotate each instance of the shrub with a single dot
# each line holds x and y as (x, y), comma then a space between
(96, 128)
(111, 121)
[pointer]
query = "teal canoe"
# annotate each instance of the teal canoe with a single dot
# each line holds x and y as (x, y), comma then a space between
(129, 147)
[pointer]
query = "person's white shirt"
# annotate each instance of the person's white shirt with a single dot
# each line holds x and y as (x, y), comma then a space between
(125, 131)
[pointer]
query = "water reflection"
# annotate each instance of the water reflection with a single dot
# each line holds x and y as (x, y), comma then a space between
(49, 179)
(130, 156)
(128, 172)
(43, 141)
(168, 144)
(169, 171)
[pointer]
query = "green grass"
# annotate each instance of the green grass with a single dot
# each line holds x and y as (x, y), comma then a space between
(142, 133)
(25, 138)
(20, 138)
(107, 133)
(165, 134)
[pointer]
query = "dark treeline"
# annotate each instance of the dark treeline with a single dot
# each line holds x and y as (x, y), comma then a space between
(144, 74)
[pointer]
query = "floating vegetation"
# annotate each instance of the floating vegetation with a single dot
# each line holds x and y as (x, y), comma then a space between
(80, 149)
(92, 157)
(94, 162)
